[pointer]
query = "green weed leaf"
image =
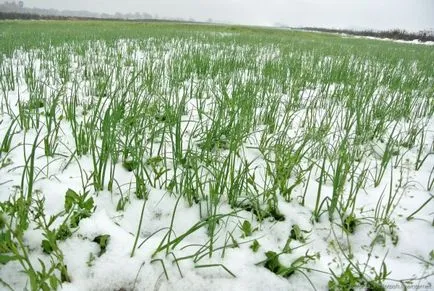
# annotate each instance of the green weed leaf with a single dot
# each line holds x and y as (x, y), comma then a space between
(4, 259)
(255, 246)
(102, 241)
(71, 198)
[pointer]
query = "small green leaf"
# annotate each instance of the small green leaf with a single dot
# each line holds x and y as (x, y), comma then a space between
(287, 248)
(394, 238)
(234, 242)
(346, 281)
(44, 286)
(71, 198)
(4, 259)
(54, 282)
(46, 247)
(130, 165)
(5, 241)
(154, 161)
(296, 233)
(121, 204)
(64, 276)
(63, 232)
(246, 228)
(77, 216)
(91, 260)
(379, 239)
(88, 204)
(102, 241)
(255, 246)
(2, 221)
(350, 223)
(272, 262)
(275, 213)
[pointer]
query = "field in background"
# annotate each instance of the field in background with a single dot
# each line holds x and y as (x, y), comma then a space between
(138, 156)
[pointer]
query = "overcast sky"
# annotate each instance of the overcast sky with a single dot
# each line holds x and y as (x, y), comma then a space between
(412, 15)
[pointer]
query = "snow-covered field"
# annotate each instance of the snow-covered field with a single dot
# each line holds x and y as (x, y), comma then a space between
(204, 163)
(414, 41)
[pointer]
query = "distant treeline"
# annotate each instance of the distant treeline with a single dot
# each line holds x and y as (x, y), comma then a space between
(28, 16)
(18, 8)
(422, 36)
(16, 15)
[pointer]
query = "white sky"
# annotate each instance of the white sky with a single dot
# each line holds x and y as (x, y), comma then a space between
(412, 15)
